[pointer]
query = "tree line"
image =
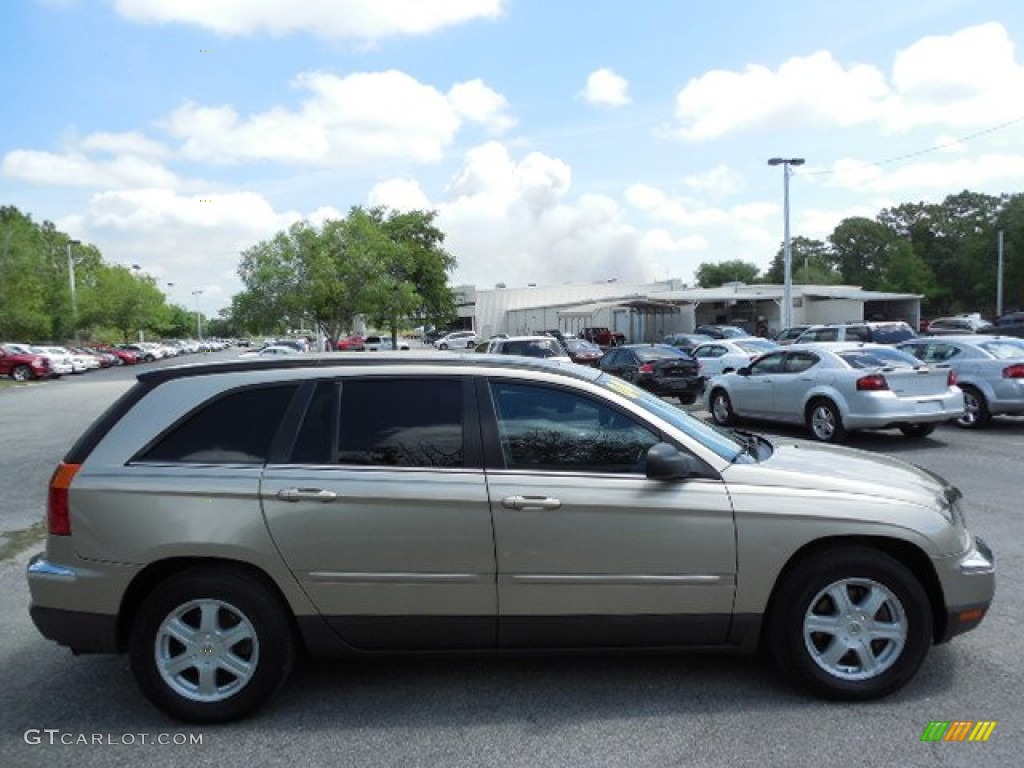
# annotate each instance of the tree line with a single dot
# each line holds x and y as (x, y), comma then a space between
(111, 302)
(945, 251)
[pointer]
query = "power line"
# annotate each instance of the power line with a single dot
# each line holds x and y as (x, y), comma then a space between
(928, 150)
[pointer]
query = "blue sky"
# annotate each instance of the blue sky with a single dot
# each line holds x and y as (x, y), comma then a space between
(559, 140)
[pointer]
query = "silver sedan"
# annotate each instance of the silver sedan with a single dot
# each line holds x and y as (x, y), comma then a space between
(837, 387)
(989, 370)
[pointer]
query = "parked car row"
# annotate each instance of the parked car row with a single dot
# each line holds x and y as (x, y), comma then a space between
(24, 362)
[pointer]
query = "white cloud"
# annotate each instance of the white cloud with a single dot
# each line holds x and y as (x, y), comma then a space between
(982, 172)
(339, 19)
(968, 78)
(357, 119)
(399, 194)
(130, 143)
(720, 182)
(192, 242)
(474, 101)
(77, 169)
(606, 88)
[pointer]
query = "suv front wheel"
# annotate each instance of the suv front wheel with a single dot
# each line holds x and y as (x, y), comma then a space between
(211, 645)
(850, 624)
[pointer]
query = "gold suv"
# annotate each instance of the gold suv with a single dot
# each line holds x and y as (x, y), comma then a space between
(219, 518)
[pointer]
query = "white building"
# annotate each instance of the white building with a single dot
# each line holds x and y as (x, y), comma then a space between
(646, 312)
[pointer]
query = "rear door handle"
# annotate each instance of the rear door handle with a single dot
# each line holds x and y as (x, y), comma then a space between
(306, 494)
(530, 502)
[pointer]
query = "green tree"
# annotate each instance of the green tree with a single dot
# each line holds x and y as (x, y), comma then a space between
(811, 264)
(712, 275)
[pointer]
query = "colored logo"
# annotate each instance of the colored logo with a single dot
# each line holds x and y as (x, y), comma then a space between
(958, 730)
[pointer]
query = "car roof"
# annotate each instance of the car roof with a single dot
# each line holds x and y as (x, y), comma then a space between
(326, 362)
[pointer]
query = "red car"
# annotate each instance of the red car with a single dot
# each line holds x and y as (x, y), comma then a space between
(22, 367)
(354, 343)
(124, 356)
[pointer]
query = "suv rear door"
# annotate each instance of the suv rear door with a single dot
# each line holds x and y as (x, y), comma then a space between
(380, 510)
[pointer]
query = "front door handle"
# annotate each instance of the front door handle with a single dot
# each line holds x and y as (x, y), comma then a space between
(306, 494)
(530, 502)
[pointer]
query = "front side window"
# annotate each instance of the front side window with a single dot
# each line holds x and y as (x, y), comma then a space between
(235, 429)
(544, 428)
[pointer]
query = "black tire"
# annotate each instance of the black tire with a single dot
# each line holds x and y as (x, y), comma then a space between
(976, 412)
(824, 422)
(207, 604)
(721, 408)
(442, 345)
(21, 373)
(808, 629)
(687, 399)
(917, 431)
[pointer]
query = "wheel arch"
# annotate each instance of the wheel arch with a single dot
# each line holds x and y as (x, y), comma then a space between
(158, 572)
(904, 552)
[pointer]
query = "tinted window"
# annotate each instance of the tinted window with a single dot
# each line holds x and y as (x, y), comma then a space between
(660, 353)
(532, 348)
(797, 362)
(892, 334)
(768, 364)
(401, 423)
(233, 429)
(875, 358)
(547, 428)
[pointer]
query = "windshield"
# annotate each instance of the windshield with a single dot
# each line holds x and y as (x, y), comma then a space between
(757, 345)
(719, 441)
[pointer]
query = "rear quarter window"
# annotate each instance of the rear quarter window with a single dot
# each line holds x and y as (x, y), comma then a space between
(236, 428)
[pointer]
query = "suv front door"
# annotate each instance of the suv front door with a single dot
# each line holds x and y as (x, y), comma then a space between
(589, 551)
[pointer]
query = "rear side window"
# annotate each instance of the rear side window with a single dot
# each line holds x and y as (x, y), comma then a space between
(234, 429)
(384, 423)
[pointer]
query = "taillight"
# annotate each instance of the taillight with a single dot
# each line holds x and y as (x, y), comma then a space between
(1015, 371)
(872, 383)
(58, 513)
(646, 368)
(951, 378)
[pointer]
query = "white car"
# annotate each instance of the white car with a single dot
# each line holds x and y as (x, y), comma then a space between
(383, 344)
(727, 355)
(59, 363)
(275, 350)
(458, 340)
(526, 346)
(834, 388)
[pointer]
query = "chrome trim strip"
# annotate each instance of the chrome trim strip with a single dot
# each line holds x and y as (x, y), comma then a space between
(46, 568)
(392, 578)
(619, 579)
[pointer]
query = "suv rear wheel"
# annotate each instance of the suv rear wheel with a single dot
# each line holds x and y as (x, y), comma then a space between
(211, 645)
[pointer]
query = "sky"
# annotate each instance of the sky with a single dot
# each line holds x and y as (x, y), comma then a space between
(559, 141)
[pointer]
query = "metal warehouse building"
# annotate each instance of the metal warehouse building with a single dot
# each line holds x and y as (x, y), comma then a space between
(646, 312)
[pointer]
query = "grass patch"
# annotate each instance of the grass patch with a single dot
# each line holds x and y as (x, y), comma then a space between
(16, 542)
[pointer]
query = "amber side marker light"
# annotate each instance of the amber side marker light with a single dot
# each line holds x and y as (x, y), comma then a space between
(58, 513)
(974, 614)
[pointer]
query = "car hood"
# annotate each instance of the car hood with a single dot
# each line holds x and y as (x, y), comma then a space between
(816, 467)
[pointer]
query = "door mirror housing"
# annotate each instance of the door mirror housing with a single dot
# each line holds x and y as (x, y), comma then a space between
(666, 462)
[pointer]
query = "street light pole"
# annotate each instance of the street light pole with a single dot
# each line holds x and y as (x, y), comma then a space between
(787, 251)
(71, 281)
(199, 327)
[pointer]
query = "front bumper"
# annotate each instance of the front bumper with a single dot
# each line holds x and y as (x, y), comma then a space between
(969, 584)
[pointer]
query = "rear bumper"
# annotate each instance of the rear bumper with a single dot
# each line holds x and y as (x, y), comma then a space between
(885, 410)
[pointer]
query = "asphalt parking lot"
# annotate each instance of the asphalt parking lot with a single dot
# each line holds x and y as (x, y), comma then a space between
(558, 710)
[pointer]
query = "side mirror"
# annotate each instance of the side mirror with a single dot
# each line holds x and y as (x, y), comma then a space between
(666, 462)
